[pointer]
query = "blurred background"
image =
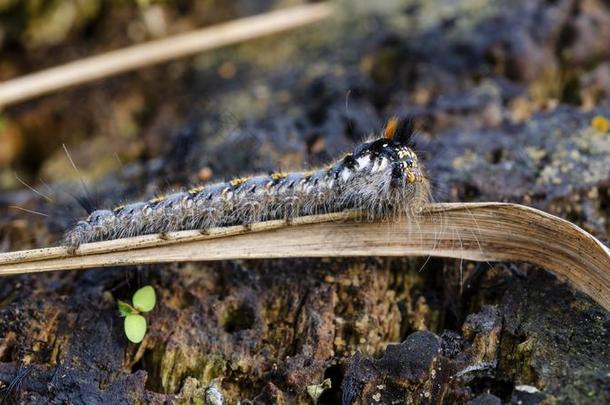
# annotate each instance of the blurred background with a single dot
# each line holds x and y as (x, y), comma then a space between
(510, 100)
(301, 97)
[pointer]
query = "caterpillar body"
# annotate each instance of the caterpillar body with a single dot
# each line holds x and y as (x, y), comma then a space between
(382, 177)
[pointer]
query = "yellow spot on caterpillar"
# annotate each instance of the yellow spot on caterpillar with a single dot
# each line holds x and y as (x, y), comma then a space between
(411, 177)
(157, 199)
(117, 209)
(237, 182)
(196, 190)
(390, 128)
(309, 173)
(278, 176)
(600, 123)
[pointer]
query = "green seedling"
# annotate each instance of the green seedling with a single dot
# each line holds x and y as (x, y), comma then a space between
(143, 300)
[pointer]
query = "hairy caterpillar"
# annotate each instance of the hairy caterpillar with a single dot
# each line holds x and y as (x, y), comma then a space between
(381, 177)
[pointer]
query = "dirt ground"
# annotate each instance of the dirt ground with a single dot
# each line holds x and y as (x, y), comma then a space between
(504, 98)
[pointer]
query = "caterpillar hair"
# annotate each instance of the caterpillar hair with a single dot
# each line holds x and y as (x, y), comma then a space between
(381, 178)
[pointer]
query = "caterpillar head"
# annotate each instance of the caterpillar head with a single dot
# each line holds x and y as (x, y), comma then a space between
(394, 152)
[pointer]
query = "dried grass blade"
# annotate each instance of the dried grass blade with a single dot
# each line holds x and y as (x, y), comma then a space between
(474, 231)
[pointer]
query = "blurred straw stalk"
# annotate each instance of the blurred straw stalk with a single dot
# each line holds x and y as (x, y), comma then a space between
(162, 50)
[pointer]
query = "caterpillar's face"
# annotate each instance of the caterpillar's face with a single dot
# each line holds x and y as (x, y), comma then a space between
(405, 165)
(391, 155)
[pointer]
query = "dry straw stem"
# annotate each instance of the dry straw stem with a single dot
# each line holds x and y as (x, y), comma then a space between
(474, 231)
(163, 50)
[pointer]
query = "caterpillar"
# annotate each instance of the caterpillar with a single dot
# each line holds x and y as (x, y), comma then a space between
(381, 177)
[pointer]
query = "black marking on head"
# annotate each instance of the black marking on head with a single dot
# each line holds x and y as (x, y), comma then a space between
(397, 170)
(378, 146)
(402, 131)
(349, 161)
(397, 175)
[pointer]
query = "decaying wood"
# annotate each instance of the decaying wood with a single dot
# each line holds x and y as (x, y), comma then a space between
(473, 231)
(162, 50)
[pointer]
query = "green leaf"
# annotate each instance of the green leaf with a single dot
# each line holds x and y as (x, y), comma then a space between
(144, 299)
(125, 309)
(135, 327)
